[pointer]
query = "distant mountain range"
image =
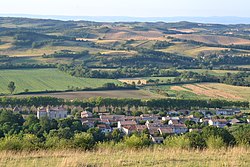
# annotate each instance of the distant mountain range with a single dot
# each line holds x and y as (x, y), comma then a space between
(215, 20)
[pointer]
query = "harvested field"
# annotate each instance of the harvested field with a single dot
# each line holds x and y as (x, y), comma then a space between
(210, 92)
(111, 93)
(136, 35)
(212, 39)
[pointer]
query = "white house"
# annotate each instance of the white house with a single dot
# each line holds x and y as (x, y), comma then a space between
(52, 112)
(218, 122)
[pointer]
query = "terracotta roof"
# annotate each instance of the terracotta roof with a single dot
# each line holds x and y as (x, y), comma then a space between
(123, 123)
(220, 120)
(166, 130)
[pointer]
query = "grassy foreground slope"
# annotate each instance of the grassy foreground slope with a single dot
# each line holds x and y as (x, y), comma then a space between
(45, 79)
(146, 157)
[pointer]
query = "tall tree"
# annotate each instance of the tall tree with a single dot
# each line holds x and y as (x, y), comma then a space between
(11, 87)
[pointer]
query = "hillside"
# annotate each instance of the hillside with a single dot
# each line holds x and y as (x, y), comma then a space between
(84, 54)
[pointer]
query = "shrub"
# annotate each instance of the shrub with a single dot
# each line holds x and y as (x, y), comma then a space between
(31, 142)
(11, 143)
(84, 141)
(214, 142)
(242, 135)
(181, 142)
(57, 143)
(212, 131)
(137, 141)
(196, 140)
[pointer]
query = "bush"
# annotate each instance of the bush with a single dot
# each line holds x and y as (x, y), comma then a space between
(212, 131)
(136, 141)
(242, 135)
(57, 143)
(31, 142)
(214, 142)
(11, 143)
(84, 141)
(196, 140)
(181, 142)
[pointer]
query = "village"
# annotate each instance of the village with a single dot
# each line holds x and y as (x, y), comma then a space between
(174, 122)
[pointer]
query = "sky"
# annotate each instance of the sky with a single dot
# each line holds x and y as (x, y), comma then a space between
(133, 8)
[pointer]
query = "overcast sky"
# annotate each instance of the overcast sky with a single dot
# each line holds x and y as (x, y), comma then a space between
(135, 8)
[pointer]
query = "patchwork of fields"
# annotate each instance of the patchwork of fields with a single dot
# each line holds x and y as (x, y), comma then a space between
(45, 79)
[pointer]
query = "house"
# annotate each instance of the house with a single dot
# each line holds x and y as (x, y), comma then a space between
(128, 129)
(121, 124)
(172, 112)
(16, 110)
(193, 118)
(104, 128)
(157, 123)
(204, 121)
(170, 118)
(86, 114)
(149, 117)
(235, 121)
(52, 112)
(90, 122)
(173, 122)
(42, 112)
(218, 122)
(132, 118)
(153, 131)
(165, 130)
(57, 112)
(179, 128)
(157, 140)
(227, 111)
(140, 128)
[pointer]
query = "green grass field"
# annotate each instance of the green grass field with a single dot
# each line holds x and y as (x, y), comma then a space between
(45, 79)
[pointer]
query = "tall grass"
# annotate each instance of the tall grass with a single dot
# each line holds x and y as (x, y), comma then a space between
(155, 156)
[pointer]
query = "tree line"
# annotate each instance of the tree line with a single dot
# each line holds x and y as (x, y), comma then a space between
(155, 104)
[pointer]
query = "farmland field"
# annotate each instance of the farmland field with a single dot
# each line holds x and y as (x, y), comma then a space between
(109, 93)
(211, 72)
(45, 79)
(212, 39)
(190, 50)
(128, 157)
(204, 91)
